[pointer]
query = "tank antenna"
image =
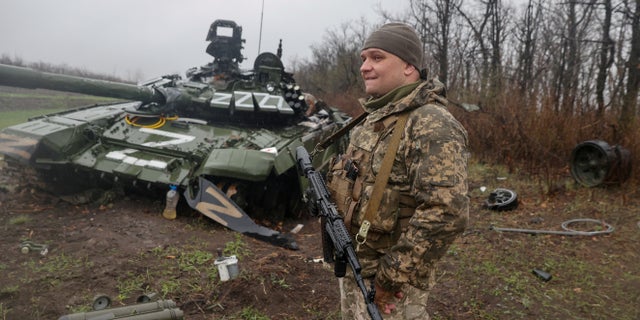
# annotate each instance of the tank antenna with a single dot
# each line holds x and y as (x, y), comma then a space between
(261, 18)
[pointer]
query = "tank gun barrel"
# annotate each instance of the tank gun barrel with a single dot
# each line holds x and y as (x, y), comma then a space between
(32, 79)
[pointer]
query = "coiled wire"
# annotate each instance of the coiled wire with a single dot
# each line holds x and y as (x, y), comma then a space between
(565, 225)
(161, 121)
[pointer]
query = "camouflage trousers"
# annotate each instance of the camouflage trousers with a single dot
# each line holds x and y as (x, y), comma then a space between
(412, 306)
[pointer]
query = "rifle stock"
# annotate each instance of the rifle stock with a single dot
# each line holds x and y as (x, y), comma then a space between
(334, 230)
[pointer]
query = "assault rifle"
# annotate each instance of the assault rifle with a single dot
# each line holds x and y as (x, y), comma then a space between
(337, 244)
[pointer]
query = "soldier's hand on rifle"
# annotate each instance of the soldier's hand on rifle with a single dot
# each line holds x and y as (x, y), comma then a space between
(386, 300)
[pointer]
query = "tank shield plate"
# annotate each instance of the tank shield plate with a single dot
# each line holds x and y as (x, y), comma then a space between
(215, 204)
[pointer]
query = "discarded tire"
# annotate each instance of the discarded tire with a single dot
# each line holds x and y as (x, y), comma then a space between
(595, 162)
(502, 200)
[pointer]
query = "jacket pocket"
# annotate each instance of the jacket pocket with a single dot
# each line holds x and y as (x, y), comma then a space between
(340, 187)
(386, 217)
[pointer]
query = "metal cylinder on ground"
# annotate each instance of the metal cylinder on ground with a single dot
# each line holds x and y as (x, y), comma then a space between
(595, 162)
(156, 308)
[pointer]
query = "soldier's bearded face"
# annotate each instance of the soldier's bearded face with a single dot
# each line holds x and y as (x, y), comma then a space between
(383, 71)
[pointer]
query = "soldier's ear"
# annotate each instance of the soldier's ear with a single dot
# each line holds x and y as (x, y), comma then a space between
(410, 70)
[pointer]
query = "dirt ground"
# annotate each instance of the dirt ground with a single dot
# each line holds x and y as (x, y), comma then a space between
(93, 249)
(99, 243)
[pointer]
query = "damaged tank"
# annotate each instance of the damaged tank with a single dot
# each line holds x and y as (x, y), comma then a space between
(224, 137)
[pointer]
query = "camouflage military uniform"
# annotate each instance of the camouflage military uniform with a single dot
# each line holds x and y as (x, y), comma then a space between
(424, 206)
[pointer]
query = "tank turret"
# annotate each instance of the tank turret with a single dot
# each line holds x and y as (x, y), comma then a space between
(169, 95)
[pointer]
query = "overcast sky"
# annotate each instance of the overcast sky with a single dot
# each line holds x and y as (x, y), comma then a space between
(149, 38)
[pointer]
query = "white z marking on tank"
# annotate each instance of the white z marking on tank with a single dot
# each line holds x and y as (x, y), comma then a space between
(221, 98)
(177, 138)
(124, 155)
(243, 99)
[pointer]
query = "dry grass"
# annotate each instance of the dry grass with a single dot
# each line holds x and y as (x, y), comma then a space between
(539, 141)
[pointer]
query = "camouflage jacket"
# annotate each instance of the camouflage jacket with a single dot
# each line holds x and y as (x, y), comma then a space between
(425, 204)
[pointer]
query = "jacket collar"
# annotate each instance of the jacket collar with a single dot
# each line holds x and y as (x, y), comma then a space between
(405, 98)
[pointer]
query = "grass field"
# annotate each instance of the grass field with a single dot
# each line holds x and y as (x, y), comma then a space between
(9, 118)
(18, 105)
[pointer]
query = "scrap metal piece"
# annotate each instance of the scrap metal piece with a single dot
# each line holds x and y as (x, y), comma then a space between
(215, 204)
(543, 275)
(27, 246)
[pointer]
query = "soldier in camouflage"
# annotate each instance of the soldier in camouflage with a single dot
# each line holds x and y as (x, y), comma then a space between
(424, 205)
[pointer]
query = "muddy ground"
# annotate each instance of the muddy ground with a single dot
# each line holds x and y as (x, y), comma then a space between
(103, 248)
(93, 248)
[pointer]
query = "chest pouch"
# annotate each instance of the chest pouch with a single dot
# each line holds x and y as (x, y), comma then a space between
(344, 181)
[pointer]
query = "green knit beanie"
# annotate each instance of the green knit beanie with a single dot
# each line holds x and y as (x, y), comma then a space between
(398, 39)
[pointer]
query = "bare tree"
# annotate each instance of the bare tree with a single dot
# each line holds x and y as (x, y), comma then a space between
(527, 36)
(477, 27)
(433, 19)
(630, 100)
(619, 73)
(497, 37)
(607, 52)
(333, 71)
(460, 63)
(489, 32)
(568, 77)
(572, 20)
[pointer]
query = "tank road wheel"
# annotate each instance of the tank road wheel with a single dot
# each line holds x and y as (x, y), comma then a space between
(595, 162)
(501, 200)
(590, 163)
(101, 302)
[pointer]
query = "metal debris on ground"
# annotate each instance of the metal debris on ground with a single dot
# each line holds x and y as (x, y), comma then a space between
(565, 225)
(595, 162)
(27, 246)
(297, 228)
(159, 310)
(502, 199)
(543, 275)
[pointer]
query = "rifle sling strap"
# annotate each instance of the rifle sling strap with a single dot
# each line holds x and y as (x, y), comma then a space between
(381, 179)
